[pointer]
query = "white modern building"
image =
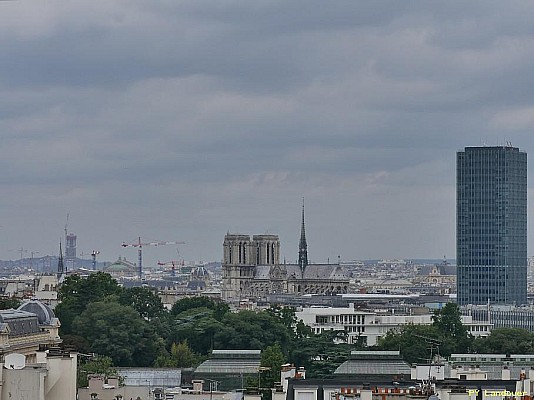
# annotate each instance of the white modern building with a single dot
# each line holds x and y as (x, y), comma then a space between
(369, 326)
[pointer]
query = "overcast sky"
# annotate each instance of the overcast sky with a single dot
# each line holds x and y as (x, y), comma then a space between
(185, 120)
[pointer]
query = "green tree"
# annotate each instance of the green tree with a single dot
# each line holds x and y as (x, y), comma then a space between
(320, 354)
(147, 303)
(76, 292)
(9, 302)
(84, 290)
(419, 343)
(195, 325)
(448, 321)
(219, 308)
(272, 359)
(197, 320)
(286, 315)
(76, 342)
(302, 331)
(251, 330)
(413, 342)
(453, 334)
(181, 356)
(506, 341)
(98, 365)
(118, 331)
(162, 325)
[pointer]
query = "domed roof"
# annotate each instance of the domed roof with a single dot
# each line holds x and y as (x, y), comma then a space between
(117, 268)
(121, 266)
(200, 272)
(43, 311)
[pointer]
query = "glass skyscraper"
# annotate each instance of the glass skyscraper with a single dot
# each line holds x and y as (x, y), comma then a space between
(491, 225)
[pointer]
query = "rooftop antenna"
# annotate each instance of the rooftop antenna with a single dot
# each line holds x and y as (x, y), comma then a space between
(433, 343)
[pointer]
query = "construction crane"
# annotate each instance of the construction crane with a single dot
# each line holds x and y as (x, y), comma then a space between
(66, 227)
(173, 268)
(173, 265)
(94, 253)
(140, 245)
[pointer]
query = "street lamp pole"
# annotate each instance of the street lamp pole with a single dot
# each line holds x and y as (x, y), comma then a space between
(260, 370)
(147, 380)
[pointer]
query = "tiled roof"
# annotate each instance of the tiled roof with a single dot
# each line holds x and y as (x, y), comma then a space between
(311, 272)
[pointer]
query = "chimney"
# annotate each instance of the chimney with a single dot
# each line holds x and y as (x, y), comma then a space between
(278, 393)
(96, 382)
(366, 393)
(288, 371)
(197, 385)
(113, 381)
(505, 373)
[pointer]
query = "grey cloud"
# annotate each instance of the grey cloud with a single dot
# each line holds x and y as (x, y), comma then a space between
(188, 119)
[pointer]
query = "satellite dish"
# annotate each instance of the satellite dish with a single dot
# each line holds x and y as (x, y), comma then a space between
(14, 361)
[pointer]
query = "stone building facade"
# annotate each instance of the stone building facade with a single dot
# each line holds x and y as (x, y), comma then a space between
(252, 269)
(30, 354)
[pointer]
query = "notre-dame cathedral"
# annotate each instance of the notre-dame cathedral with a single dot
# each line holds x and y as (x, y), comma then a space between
(252, 269)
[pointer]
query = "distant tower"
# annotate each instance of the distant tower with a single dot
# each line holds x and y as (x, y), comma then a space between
(303, 246)
(70, 250)
(60, 265)
(491, 225)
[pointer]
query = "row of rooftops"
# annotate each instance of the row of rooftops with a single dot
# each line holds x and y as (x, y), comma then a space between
(385, 374)
(376, 364)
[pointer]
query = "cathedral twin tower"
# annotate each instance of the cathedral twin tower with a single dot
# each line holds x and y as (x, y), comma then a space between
(252, 269)
(261, 250)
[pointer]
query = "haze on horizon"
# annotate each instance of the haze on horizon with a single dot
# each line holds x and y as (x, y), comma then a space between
(185, 120)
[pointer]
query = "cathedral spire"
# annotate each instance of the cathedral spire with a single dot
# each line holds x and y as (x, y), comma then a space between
(60, 265)
(303, 246)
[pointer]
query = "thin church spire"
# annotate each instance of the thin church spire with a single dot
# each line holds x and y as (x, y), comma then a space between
(60, 265)
(303, 246)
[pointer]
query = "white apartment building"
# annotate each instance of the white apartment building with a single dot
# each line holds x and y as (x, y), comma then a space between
(370, 325)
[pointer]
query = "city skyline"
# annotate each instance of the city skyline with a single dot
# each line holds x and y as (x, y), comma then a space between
(182, 121)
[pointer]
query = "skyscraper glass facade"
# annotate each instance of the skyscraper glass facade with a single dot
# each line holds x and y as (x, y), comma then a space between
(491, 225)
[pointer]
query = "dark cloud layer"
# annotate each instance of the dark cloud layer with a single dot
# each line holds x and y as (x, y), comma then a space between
(182, 120)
